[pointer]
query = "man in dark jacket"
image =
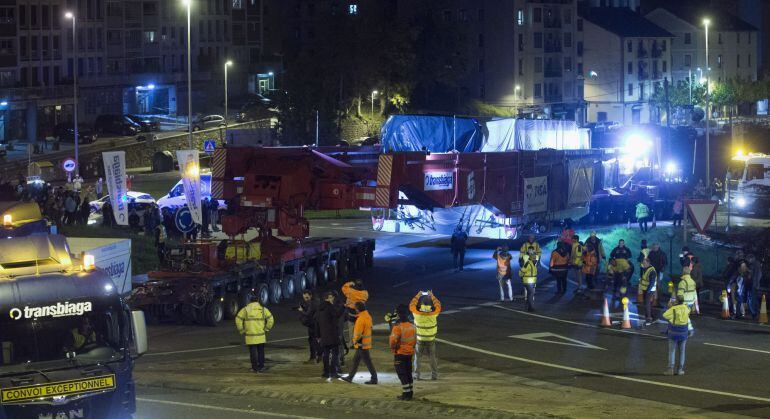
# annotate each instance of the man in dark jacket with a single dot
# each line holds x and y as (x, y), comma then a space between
(307, 310)
(329, 332)
(659, 261)
(457, 244)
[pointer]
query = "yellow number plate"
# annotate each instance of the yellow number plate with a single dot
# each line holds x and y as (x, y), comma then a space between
(61, 388)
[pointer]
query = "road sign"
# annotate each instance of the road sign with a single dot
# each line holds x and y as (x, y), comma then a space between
(69, 164)
(183, 220)
(209, 146)
(701, 212)
(548, 337)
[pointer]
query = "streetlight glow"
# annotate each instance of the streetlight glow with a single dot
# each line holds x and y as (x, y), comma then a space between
(228, 63)
(69, 15)
(706, 22)
(374, 92)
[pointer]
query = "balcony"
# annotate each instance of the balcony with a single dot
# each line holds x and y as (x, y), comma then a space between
(553, 71)
(642, 52)
(657, 52)
(644, 74)
(551, 22)
(553, 46)
(553, 98)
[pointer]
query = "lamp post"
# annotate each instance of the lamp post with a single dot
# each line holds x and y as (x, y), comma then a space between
(272, 81)
(516, 96)
(70, 15)
(689, 83)
(706, 23)
(188, 4)
(228, 63)
(374, 92)
(728, 177)
(670, 235)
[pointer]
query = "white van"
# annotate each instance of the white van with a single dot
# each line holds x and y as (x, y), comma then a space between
(175, 198)
(749, 183)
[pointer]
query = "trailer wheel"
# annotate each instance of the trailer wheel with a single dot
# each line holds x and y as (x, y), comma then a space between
(244, 297)
(287, 286)
(213, 313)
(231, 306)
(275, 291)
(263, 293)
(331, 274)
(323, 275)
(312, 277)
(369, 258)
(342, 268)
(300, 282)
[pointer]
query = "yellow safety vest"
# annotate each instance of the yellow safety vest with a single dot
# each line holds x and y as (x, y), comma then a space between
(648, 276)
(687, 289)
(427, 328)
(678, 315)
(528, 272)
(253, 322)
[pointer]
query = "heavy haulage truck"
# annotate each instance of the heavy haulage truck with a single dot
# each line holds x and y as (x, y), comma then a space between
(266, 190)
(49, 300)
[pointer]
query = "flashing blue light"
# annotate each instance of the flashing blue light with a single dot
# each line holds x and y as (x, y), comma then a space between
(150, 86)
(4, 103)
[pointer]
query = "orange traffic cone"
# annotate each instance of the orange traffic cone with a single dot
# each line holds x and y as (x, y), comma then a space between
(763, 311)
(626, 324)
(696, 307)
(725, 305)
(606, 322)
(654, 223)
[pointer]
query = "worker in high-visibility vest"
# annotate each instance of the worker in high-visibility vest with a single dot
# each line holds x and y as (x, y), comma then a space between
(528, 274)
(426, 308)
(679, 329)
(531, 244)
(253, 322)
(402, 341)
(362, 342)
(576, 262)
(648, 283)
(504, 273)
(687, 288)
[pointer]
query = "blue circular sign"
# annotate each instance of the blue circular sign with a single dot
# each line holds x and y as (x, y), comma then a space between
(183, 220)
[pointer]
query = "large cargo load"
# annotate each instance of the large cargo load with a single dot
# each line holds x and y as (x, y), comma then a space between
(111, 255)
(437, 134)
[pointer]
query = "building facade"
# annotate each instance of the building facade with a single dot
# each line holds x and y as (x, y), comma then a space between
(628, 59)
(733, 43)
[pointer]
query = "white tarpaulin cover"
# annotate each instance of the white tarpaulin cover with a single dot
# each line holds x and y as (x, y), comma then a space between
(533, 134)
(581, 180)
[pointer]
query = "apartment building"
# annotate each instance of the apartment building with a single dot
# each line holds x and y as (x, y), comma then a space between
(131, 57)
(733, 43)
(627, 60)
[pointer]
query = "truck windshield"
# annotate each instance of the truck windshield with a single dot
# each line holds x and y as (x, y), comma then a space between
(736, 169)
(44, 343)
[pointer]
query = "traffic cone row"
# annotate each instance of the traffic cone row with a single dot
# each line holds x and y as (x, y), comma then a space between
(725, 305)
(763, 311)
(606, 322)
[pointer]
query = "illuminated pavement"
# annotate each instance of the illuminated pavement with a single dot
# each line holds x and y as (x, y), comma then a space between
(727, 362)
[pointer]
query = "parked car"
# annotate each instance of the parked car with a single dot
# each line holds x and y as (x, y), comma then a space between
(65, 131)
(146, 124)
(137, 200)
(209, 121)
(116, 124)
(175, 198)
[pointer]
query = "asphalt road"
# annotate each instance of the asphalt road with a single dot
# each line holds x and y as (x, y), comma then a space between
(727, 362)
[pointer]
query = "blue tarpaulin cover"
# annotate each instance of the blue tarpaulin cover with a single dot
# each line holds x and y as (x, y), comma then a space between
(438, 134)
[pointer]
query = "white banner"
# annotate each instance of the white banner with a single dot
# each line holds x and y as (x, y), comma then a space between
(115, 174)
(535, 194)
(189, 167)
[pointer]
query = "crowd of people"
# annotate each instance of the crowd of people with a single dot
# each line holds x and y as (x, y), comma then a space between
(330, 316)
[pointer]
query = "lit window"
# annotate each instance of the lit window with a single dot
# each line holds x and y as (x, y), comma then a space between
(520, 17)
(353, 9)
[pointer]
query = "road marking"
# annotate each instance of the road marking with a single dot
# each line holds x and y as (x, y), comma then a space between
(604, 374)
(450, 312)
(469, 308)
(400, 284)
(737, 347)
(214, 348)
(542, 337)
(579, 323)
(223, 409)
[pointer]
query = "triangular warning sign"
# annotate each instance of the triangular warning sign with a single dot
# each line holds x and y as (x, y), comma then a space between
(702, 213)
(548, 337)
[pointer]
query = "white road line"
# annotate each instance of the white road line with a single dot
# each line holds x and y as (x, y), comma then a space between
(450, 311)
(603, 374)
(400, 284)
(469, 308)
(737, 347)
(214, 348)
(223, 409)
(593, 326)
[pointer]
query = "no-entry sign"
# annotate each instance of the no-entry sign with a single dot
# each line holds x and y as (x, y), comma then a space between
(701, 212)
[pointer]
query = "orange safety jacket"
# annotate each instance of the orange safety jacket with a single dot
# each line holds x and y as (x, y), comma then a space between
(503, 263)
(353, 296)
(590, 262)
(559, 262)
(362, 331)
(403, 339)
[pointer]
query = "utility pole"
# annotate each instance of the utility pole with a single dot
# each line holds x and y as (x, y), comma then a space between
(706, 23)
(689, 81)
(668, 117)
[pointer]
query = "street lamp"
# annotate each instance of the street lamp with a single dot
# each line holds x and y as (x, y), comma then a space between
(374, 92)
(516, 97)
(706, 23)
(228, 63)
(272, 81)
(70, 15)
(188, 4)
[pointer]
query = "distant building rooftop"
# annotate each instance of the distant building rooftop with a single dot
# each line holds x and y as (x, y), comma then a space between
(721, 20)
(623, 22)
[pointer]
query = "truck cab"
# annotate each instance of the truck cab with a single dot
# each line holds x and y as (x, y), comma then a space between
(68, 340)
(748, 181)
